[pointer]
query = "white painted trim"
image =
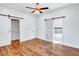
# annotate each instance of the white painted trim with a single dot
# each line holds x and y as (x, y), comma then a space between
(5, 43)
(61, 43)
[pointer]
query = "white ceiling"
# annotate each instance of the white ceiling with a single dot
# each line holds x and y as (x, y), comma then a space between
(21, 6)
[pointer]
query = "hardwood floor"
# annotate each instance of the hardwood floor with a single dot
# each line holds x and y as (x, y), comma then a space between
(37, 47)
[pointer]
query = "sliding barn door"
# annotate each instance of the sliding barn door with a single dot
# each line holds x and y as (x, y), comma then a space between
(5, 35)
(49, 30)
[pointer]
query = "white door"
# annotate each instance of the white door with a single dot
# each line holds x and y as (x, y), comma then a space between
(15, 33)
(5, 35)
(49, 30)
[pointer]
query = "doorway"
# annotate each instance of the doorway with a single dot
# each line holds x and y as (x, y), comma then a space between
(15, 29)
(58, 30)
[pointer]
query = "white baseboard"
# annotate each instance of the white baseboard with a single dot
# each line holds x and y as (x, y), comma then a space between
(9, 42)
(61, 43)
(5, 43)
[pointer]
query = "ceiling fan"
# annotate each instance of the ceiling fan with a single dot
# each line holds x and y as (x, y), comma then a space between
(37, 9)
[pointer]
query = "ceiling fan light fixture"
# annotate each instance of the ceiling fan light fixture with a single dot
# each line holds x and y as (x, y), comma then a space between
(37, 11)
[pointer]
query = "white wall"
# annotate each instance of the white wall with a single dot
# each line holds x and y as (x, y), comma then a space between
(27, 29)
(71, 22)
(27, 25)
(4, 31)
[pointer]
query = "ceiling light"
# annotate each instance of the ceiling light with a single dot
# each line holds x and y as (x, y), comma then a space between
(37, 11)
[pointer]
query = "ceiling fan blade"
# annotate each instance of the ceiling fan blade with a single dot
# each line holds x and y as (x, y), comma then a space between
(33, 11)
(30, 7)
(40, 11)
(44, 8)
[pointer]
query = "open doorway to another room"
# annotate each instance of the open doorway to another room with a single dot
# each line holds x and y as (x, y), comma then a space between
(15, 32)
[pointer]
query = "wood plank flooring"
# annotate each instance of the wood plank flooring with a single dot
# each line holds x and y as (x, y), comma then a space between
(37, 47)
